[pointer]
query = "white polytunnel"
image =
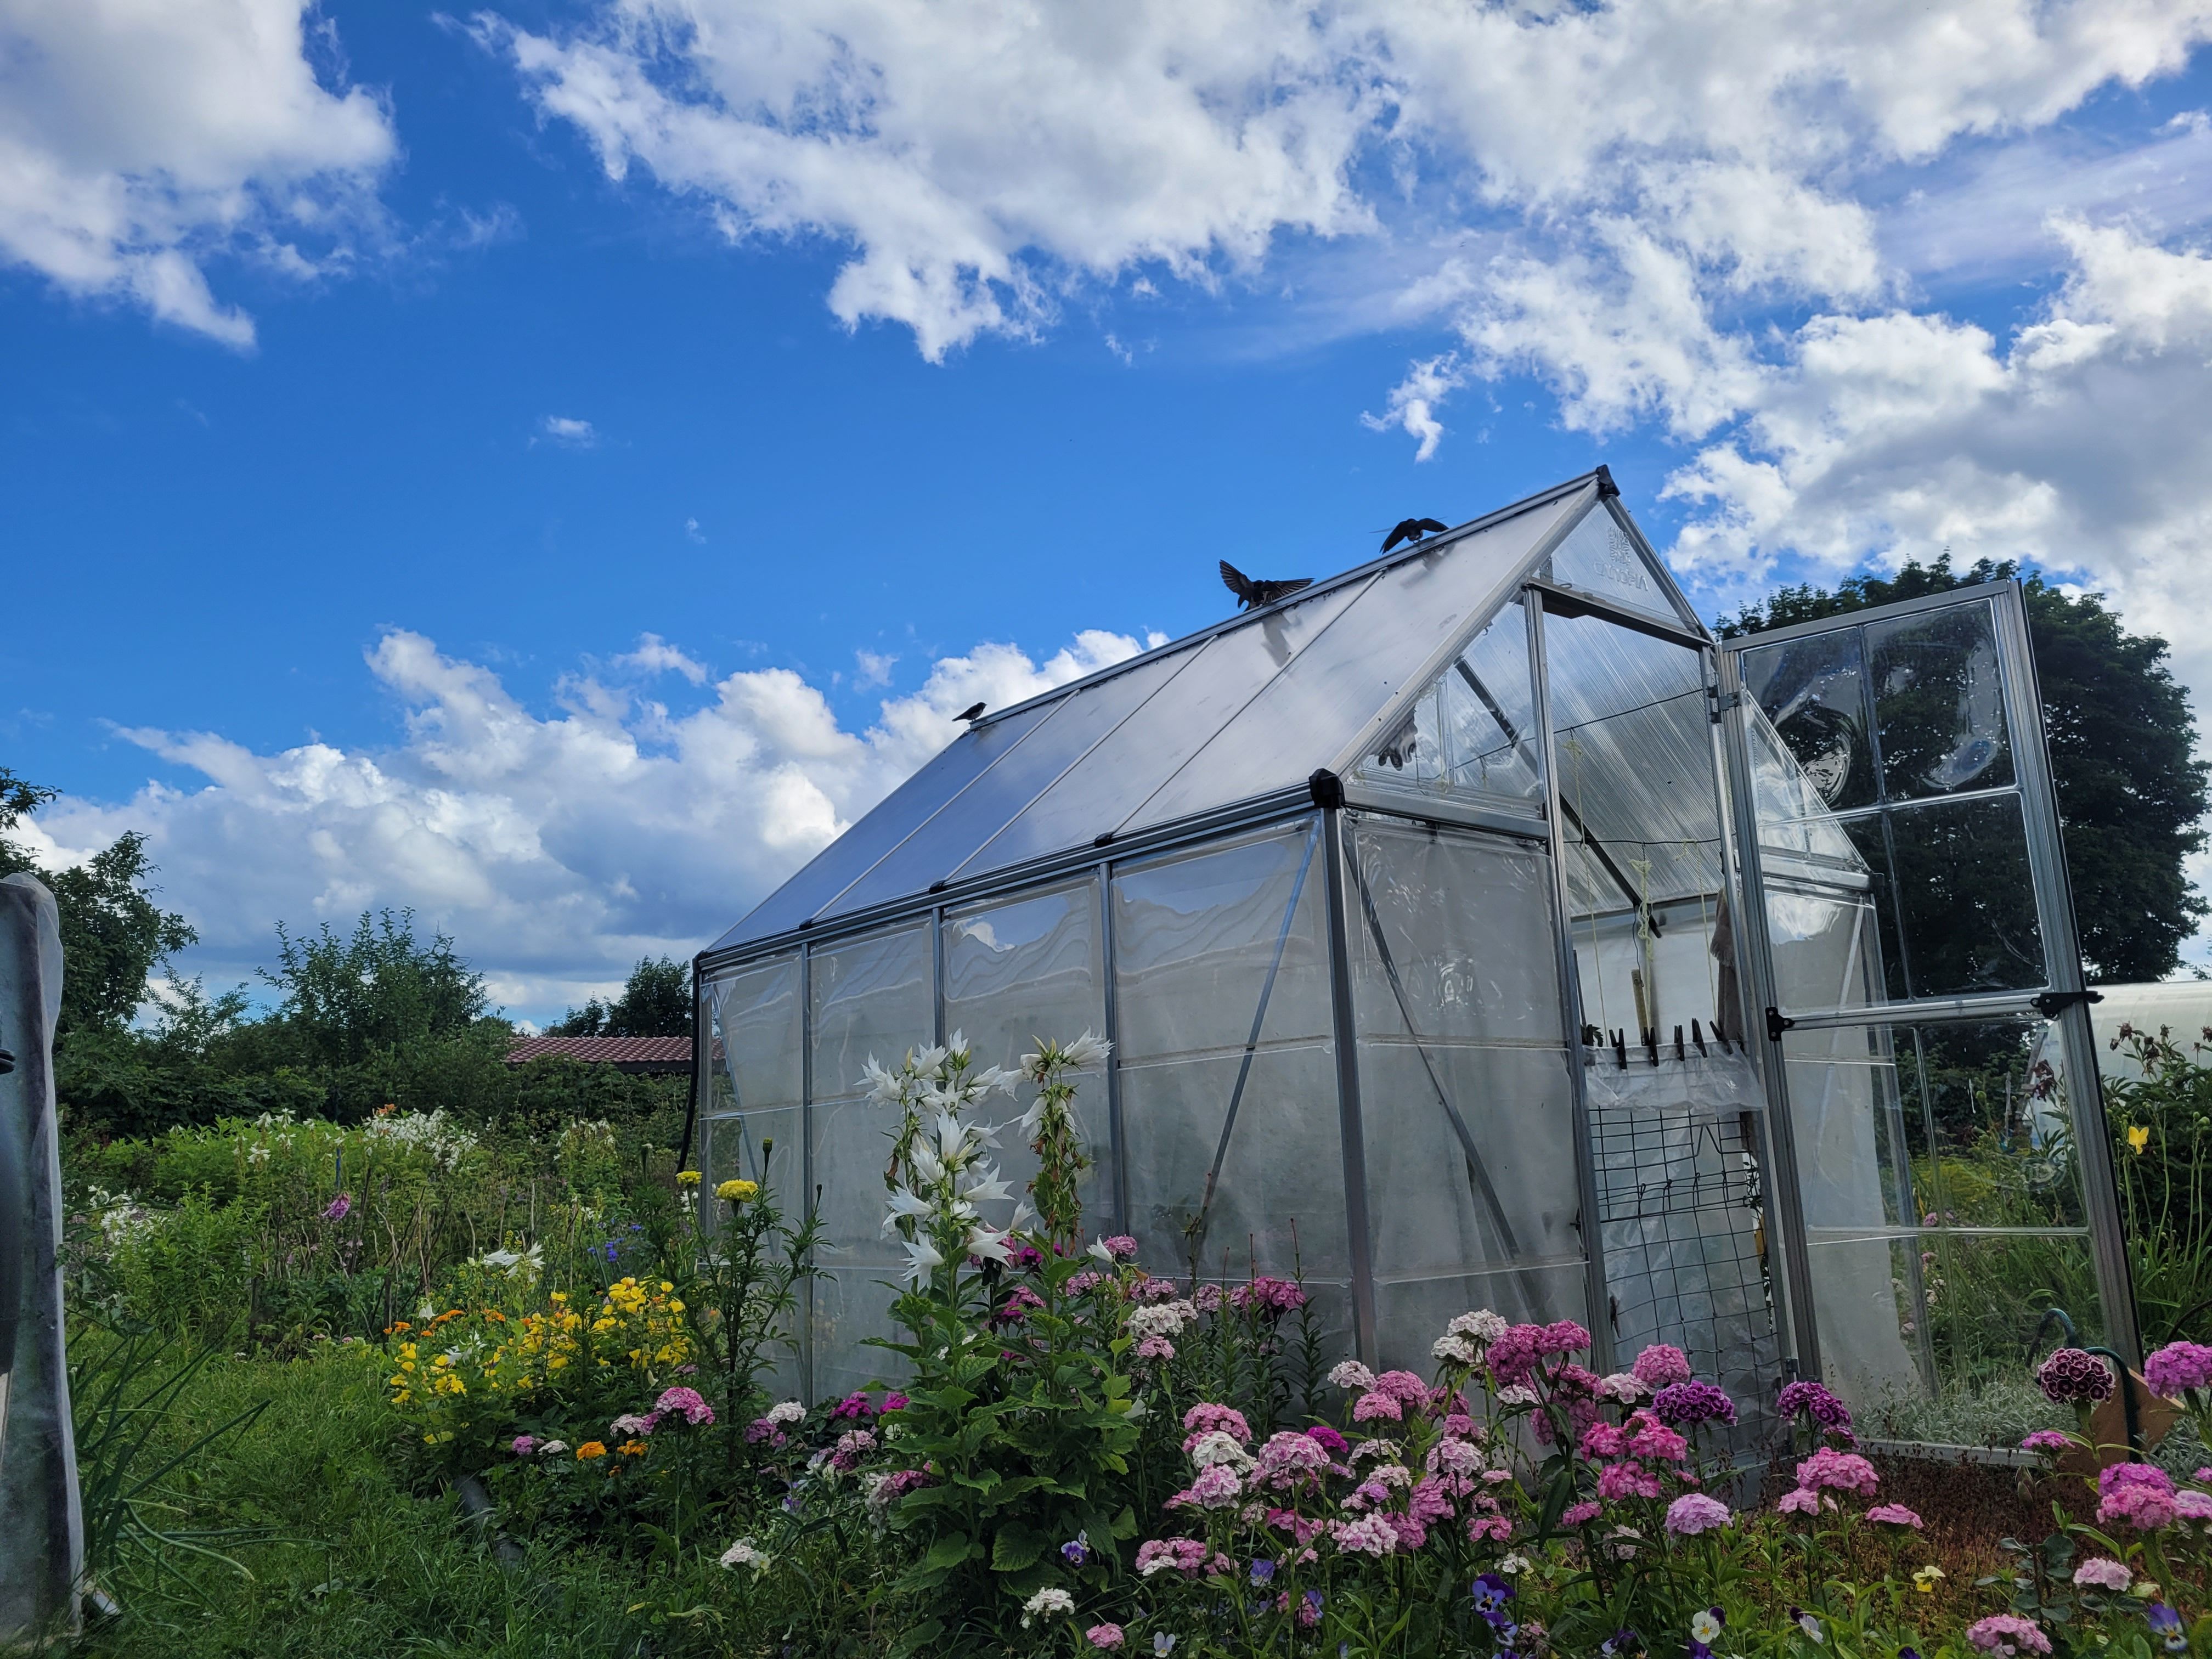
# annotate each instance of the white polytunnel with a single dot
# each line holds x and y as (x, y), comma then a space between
(1415, 908)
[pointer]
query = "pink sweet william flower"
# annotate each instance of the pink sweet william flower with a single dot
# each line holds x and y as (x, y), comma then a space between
(2005, 1633)
(1626, 1478)
(523, 1444)
(1844, 1471)
(1489, 1529)
(2138, 1495)
(2048, 1442)
(1802, 1500)
(1121, 1246)
(1291, 1459)
(630, 1423)
(1579, 1515)
(1648, 1438)
(1603, 1440)
(1156, 1348)
(1563, 1336)
(1512, 1356)
(2178, 1368)
(1894, 1515)
(1370, 1534)
(1377, 1406)
(696, 1410)
(1184, 1555)
(1104, 1636)
(2193, 1505)
(1403, 1387)
(1662, 1364)
(1693, 1513)
(1206, 1418)
(1328, 1439)
(1216, 1488)
(2102, 1572)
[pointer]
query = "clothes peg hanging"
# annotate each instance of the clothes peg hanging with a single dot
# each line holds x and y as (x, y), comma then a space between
(1679, 1055)
(1698, 1039)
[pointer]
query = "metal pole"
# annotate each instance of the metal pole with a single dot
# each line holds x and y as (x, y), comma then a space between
(806, 1152)
(937, 975)
(1346, 1027)
(2061, 950)
(1103, 876)
(1756, 979)
(1596, 1293)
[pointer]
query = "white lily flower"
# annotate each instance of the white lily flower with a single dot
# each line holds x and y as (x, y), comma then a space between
(902, 1204)
(926, 1060)
(925, 1163)
(921, 1255)
(951, 1141)
(1022, 1216)
(992, 1246)
(882, 1084)
(1098, 1249)
(1089, 1049)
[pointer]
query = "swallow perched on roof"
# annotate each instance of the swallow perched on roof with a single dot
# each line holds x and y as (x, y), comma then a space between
(1251, 594)
(972, 712)
(1412, 530)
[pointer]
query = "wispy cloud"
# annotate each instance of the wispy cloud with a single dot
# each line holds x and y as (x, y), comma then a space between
(568, 431)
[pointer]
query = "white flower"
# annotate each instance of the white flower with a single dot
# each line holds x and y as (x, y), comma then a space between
(1624, 1387)
(1098, 1249)
(1022, 1216)
(789, 1411)
(1219, 1446)
(552, 1446)
(993, 1077)
(746, 1554)
(1050, 1600)
(989, 1187)
(951, 1141)
(1161, 1318)
(925, 1060)
(921, 1255)
(901, 1205)
(1162, 1645)
(1517, 1396)
(1481, 1326)
(1705, 1626)
(926, 1169)
(1088, 1049)
(882, 1085)
(1457, 1349)
(1353, 1376)
(1811, 1626)
(992, 1246)
(1514, 1564)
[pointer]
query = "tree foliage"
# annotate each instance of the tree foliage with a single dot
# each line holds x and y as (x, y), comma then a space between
(113, 934)
(655, 1002)
(2131, 794)
(346, 998)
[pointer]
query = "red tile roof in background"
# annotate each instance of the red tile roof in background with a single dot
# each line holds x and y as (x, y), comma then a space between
(669, 1052)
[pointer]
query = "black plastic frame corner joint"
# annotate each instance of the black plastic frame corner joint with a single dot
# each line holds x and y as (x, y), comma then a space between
(1327, 788)
(1776, 1023)
(1606, 489)
(2051, 1004)
(1106, 840)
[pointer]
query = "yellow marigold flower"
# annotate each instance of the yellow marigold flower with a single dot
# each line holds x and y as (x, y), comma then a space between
(687, 1177)
(633, 1449)
(738, 1191)
(2138, 1137)
(590, 1450)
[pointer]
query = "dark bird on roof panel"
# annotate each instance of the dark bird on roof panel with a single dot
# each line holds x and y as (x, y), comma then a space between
(969, 712)
(1412, 530)
(1252, 594)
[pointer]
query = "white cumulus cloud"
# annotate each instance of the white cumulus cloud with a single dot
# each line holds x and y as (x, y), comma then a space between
(139, 138)
(556, 846)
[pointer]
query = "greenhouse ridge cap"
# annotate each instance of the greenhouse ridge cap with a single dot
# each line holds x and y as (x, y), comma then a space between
(1327, 584)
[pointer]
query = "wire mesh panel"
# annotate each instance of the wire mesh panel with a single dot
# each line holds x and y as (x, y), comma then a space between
(1682, 1207)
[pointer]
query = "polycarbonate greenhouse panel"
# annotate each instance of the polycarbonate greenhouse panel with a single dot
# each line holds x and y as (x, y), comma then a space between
(941, 844)
(1386, 642)
(1602, 559)
(845, 859)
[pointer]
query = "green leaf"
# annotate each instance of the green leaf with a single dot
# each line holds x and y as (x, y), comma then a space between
(947, 1553)
(1017, 1546)
(1125, 1525)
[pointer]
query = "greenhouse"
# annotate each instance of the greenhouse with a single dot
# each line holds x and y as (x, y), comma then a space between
(1411, 907)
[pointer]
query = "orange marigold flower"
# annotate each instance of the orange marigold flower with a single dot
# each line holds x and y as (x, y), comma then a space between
(632, 1449)
(590, 1450)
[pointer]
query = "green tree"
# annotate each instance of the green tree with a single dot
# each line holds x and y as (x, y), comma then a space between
(113, 935)
(2131, 794)
(655, 1002)
(380, 989)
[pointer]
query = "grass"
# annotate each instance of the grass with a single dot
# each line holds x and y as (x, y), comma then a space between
(356, 1563)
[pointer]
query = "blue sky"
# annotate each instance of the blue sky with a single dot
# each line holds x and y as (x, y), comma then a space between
(428, 435)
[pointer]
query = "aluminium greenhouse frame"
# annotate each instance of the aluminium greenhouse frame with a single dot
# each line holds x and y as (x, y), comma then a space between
(784, 929)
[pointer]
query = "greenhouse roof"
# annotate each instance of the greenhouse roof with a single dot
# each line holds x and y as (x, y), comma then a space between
(1248, 708)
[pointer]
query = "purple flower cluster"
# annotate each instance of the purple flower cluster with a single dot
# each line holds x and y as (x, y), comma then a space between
(2179, 1367)
(2071, 1376)
(1693, 1402)
(2138, 1495)
(1272, 1297)
(1815, 1403)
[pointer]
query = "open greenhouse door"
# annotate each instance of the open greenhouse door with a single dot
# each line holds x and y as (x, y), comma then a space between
(1912, 940)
